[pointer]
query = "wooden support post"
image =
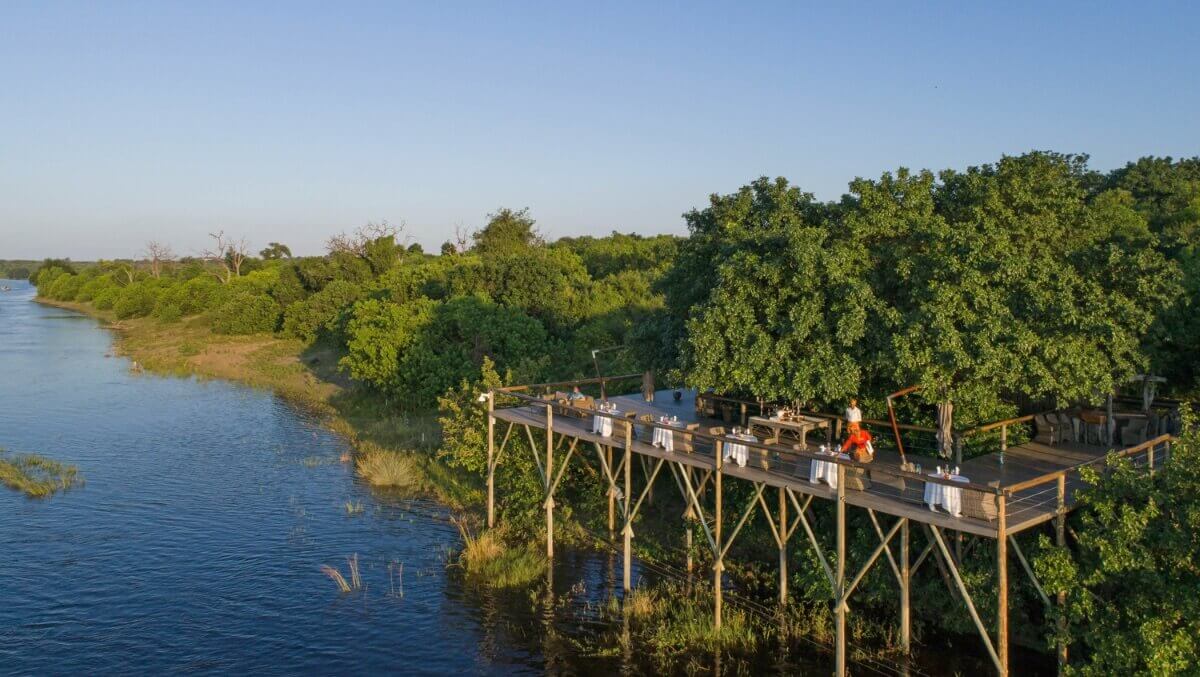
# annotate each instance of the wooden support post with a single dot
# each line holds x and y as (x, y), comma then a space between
(744, 413)
(549, 480)
(837, 430)
(1060, 538)
(628, 535)
(491, 460)
(958, 445)
(612, 495)
(719, 546)
(1150, 458)
(905, 602)
(1002, 584)
(783, 539)
(839, 587)
(687, 520)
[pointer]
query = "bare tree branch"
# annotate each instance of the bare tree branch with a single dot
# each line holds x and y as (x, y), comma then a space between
(227, 255)
(158, 255)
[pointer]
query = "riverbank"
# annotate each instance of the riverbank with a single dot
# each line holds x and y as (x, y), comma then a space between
(306, 377)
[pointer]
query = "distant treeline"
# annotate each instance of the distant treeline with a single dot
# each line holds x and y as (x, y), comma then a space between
(17, 270)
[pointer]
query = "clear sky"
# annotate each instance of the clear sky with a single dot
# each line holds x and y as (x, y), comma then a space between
(122, 122)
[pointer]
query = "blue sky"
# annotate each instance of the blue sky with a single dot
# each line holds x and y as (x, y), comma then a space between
(122, 122)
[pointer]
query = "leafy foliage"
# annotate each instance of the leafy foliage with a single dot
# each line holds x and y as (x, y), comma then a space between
(1133, 589)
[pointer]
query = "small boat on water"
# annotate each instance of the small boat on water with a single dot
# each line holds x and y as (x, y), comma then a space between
(6, 288)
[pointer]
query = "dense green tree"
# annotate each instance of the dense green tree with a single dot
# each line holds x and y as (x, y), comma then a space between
(1130, 575)
(275, 250)
(506, 230)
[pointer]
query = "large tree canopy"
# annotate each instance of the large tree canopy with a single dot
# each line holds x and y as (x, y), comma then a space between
(1003, 283)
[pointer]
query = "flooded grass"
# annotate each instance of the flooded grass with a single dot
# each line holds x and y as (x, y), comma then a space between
(36, 476)
(488, 560)
(386, 468)
(335, 575)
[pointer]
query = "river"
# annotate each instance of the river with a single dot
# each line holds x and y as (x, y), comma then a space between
(196, 544)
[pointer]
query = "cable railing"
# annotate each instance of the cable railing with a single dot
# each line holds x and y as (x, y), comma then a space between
(1038, 497)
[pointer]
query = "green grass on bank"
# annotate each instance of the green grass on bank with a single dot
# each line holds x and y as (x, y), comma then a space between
(36, 476)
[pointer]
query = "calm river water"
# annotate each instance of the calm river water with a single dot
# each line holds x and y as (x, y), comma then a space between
(197, 542)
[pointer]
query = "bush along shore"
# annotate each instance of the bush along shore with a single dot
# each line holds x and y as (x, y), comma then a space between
(1034, 279)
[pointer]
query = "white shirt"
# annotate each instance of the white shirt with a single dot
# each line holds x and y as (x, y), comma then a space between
(853, 415)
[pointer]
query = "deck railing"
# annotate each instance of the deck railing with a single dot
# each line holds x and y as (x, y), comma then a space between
(1044, 496)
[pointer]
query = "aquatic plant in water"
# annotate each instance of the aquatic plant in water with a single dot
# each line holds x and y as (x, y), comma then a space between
(36, 476)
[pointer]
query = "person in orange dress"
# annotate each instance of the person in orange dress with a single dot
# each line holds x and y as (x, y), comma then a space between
(858, 444)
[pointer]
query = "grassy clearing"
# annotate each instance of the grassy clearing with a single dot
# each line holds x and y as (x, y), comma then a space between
(488, 560)
(36, 476)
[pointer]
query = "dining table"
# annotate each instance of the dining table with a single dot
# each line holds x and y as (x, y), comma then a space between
(603, 425)
(945, 496)
(740, 453)
(826, 471)
(665, 437)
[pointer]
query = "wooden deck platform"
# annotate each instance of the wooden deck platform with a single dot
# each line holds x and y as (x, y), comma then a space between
(1026, 509)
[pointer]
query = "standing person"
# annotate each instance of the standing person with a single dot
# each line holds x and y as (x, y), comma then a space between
(853, 417)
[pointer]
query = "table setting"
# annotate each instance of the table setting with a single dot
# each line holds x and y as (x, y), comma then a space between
(603, 425)
(944, 496)
(740, 453)
(664, 437)
(826, 471)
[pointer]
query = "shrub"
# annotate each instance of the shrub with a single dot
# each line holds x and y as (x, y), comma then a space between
(92, 287)
(136, 300)
(324, 311)
(247, 313)
(106, 298)
(65, 287)
(167, 312)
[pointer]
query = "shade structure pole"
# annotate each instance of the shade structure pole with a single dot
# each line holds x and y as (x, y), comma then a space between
(491, 459)
(718, 549)
(549, 480)
(839, 591)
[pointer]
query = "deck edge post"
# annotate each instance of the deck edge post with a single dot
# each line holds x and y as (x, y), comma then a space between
(549, 480)
(783, 540)
(612, 496)
(491, 456)
(1060, 538)
(840, 578)
(905, 574)
(718, 559)
(1002, 583)
(627, 536)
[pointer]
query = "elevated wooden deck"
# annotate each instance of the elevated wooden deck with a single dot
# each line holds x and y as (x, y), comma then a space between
(1014, 490)
(1026, 508)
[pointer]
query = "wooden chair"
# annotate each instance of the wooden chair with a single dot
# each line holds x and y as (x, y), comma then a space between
(803, 466)
(1066, 428)
(1046, 431)
(685, 441)
(856, 479)
(980, 505)
(1134, 432)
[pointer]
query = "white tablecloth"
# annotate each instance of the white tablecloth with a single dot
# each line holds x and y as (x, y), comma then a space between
(665, 437)
(944, 496)
(825, 471)
(603, 424)
(740, 453)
